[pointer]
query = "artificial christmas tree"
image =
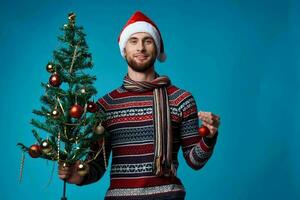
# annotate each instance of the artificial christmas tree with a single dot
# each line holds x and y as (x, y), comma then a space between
(72, 121)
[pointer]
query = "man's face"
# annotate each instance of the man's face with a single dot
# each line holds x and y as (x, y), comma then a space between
(140, 52)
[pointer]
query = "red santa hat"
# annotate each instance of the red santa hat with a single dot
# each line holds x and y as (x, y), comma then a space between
(139, 22)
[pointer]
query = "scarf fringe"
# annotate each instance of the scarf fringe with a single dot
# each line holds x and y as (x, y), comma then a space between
(158, 167)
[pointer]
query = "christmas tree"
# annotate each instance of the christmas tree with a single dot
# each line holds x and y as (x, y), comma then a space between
(69, 118)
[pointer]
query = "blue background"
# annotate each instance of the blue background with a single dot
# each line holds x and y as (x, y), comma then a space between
(240, 59)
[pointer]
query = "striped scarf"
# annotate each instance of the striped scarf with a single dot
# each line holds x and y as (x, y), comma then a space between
(163, 164)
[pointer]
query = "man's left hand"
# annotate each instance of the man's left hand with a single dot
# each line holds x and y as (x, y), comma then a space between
(211, 121)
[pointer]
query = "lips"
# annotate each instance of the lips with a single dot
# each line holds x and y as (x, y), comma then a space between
(141, 57)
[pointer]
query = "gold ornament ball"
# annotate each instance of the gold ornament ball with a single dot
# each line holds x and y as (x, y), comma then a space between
(50, 68)
(82, 91)
(55, 113)
(83, 169)
(99, 129)
(46, 146)
(72, 16)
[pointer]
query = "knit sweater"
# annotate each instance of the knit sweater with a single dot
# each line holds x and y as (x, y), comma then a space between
(130, 140)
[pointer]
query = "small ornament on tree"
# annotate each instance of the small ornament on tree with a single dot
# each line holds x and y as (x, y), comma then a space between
(76, 111)
(203, 131)
(46, 146)
(55, 80)
(83, 168)
(72, 17)
(50, 67)
(83, 91)
(99, 130)
(34, 151)
(92, 107)
(55, 113)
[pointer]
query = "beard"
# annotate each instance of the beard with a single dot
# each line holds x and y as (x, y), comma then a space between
(140, 67)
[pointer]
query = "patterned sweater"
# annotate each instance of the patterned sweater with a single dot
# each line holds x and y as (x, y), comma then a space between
(129, 122)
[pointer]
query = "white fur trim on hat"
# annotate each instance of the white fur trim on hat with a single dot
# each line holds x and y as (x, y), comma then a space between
(140, 26)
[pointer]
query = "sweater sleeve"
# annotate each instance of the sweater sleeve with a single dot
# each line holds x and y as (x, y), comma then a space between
(196, 149)
(97, 166)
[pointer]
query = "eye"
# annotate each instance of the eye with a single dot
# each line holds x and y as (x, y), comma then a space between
(149, 41)
(132, 41)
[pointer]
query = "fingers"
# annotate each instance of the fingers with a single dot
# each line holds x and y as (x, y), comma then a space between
(208, 115)
(209, 118)
(205, 117)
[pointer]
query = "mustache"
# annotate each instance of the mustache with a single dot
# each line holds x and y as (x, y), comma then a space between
(141, 54)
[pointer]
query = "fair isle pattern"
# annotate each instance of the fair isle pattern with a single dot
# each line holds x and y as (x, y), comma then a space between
(145, 191)
(131, 168)
(131, 142)
(123, 135)
(131, 112)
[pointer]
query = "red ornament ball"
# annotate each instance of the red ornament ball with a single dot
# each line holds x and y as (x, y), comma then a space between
(92, 107)
(203, 131)
(54, 80)
(76, 111)
(34, 151)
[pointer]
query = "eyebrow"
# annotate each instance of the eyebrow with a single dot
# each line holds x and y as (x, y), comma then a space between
(145, 38)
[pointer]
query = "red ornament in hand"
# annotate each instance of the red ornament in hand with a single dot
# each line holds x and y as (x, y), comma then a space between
(34, 151)
(92, 107)
(54, 80)
(203, 131)
(76, 111)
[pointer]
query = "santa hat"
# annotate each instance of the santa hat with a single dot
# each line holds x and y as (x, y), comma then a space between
(139, 22)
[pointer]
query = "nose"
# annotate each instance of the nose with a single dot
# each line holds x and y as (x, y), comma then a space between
(140, 46)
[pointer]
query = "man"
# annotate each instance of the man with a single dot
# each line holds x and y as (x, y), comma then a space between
(148, 120)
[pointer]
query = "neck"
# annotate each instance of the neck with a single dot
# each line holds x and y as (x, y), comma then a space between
(148, 75)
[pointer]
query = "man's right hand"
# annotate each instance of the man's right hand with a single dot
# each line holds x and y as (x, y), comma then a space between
(69, 173)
